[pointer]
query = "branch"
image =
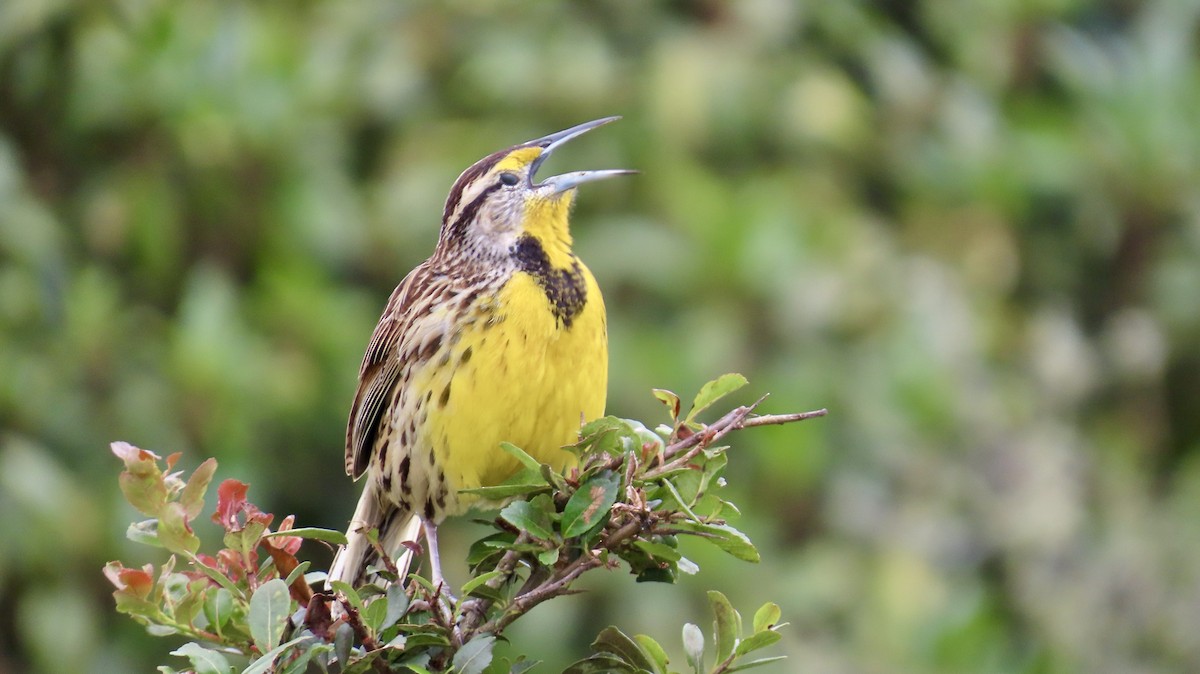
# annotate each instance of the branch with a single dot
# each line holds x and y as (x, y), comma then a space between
(677, 455)
(559, 583)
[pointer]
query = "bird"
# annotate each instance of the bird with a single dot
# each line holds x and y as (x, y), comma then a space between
(499, 336)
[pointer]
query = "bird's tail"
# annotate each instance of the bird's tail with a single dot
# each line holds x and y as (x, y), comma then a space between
(395, 525)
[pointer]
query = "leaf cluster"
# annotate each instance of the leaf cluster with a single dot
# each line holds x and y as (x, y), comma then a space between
(633, 494)
(616, 652)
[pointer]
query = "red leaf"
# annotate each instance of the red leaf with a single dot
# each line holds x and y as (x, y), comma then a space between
(289, 544)
(256, 516)
(285, 563)
(130, 454)
(230, 563)
(136, 582)
(231, 499)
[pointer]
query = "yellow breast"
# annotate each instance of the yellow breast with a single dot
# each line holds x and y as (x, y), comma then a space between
(518, 374)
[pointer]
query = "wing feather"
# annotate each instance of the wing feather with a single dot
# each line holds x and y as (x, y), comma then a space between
(380, 371)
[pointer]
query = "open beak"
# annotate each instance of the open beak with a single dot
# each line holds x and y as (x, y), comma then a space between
(566, 181)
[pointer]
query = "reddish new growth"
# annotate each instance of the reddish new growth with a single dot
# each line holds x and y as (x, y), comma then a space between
(174, 503)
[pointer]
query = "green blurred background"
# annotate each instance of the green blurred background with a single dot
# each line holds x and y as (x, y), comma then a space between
(970, 228)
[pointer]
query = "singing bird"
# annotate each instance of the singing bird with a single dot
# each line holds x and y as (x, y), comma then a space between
(500, 336)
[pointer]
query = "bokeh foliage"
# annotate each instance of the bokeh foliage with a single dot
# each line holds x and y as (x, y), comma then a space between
(971, 229)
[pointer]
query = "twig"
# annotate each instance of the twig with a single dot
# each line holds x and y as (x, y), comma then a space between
(777, 419)
(362, 634)
(473, 610)
(683, 451)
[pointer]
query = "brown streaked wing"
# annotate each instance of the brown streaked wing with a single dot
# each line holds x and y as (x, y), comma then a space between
(380, 371)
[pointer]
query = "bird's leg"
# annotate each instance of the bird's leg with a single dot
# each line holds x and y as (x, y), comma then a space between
(435, 560)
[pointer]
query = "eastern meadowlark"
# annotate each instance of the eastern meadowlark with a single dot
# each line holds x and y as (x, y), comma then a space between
(499, 336)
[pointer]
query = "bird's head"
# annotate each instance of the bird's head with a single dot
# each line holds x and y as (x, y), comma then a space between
(499, 200)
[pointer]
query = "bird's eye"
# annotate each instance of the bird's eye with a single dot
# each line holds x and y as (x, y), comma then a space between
(509, 179)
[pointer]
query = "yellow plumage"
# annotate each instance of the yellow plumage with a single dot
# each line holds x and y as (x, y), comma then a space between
(499, 337)
(529, 382)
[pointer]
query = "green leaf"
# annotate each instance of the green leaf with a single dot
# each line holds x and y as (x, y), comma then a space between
(397, 604)
(756, 663)
(656, 652)
(192, 497)
(142, 480)
(767, 616)
(417, 664)
(693, 646)
(414, 577)
(520, 454)
(756, 641)
(374, 615)
(605, 435)
(590, 504)
(669, 399)
(727, 626)
(218, 606)
(204, 660)
(174, 532)
(613, 640)
(300, 569)
(552, 478)
(475, 582)
(489, 547)
(728, 505)
(419, 639)
(188, 607)
(655, 574)
(475, 655)
(350, 593)
(343, 642)
(506, 491)
(714, 391)
(723, 536)
(658, 551)
(524, 516)
(269, 609)
(299, 665)
(678, 498)
(712, 468)
(144, 532)
(548, 557)
(601, 663)
(220, 578)
(523, 665)
(312, 533)
(263, 665)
